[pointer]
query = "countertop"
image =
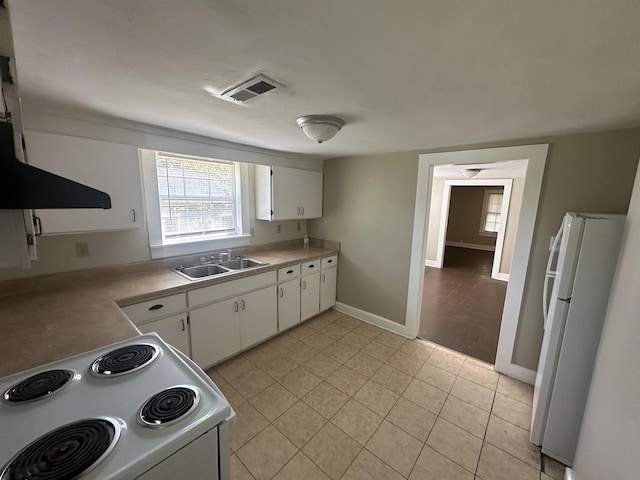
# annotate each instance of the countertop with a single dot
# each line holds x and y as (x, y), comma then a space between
(82, 312)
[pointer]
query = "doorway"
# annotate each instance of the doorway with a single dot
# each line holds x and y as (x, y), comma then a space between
(536, 157)
(464, 280)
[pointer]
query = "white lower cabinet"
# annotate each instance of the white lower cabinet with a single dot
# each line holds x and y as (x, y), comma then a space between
(309, 296)
(215, 332)
(288, 304)
(258, 316)
(328, 280)
(228, 325)
(173, 330)
(221, 329)
(167, 316)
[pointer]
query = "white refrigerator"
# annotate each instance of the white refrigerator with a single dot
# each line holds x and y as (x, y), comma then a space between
(579, 273)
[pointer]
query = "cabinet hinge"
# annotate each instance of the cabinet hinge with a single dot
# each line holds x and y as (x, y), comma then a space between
(272, 172)
(188, 320)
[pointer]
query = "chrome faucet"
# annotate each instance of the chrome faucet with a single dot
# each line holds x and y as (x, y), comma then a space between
(225, 255)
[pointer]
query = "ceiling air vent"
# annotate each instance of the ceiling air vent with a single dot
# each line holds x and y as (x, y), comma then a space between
(250, 89)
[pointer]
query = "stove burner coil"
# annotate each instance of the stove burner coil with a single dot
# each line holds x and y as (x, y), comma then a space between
(123, 360)
(66, 452)
(168, 406)
(38, 386)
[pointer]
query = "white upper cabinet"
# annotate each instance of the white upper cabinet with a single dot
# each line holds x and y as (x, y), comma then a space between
(110, 167)
(284, 193)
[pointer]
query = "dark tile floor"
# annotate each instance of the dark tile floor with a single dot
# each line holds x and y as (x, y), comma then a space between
(462, 304)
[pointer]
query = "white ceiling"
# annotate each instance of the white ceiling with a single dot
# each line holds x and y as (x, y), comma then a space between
(404, 74)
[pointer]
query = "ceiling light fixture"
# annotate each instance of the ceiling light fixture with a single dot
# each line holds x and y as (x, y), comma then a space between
(320, 127)
(470, 172)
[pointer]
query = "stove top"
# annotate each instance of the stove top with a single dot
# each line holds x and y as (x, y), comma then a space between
(114, 412)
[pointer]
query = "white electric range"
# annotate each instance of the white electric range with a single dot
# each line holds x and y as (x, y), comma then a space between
(137, 409)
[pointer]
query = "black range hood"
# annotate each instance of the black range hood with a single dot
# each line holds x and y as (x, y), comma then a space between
(23, 186)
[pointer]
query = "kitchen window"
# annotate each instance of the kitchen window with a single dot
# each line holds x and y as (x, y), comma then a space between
(194, 204)
(491, 209)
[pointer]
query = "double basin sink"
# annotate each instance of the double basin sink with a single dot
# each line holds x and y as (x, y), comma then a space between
(195, 272)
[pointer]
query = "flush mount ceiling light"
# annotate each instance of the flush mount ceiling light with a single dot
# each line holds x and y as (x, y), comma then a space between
(470, 172)
(320, 127)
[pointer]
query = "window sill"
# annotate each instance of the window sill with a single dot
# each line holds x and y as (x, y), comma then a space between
(488, 234)
(198, 246)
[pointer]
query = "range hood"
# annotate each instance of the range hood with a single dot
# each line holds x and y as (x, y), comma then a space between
(23, 186)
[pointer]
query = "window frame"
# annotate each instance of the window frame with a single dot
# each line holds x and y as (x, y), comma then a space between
(161, 247)
(483, 217)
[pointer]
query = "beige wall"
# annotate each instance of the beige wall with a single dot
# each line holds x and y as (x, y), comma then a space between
(368, 207)
(465, 214)
(610, 435)
(586, 172)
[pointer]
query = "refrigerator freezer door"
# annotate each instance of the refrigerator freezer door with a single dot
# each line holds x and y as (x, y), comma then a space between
(589, 299)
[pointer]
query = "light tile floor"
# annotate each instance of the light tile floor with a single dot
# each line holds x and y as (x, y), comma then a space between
(336, 398)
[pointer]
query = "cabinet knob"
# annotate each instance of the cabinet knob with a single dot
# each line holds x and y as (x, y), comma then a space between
(302, 210)
(323, 278)
(133, 213)
(304, 285)
(235, 306)
(281, 293)
(157, 306)
(182, 320)
(243, 304)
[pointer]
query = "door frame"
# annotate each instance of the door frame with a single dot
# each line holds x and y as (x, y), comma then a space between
(536, 156)
(506, 184)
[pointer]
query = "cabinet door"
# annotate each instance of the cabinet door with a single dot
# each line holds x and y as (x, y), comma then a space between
(288, 304)
(286, 193)
(173, 330)
(215, 332)
(258, 316)
(328, 279)
(110, 167)
(310, 184)
(309, 296)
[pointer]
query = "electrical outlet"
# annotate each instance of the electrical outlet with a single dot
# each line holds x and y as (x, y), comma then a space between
(278, 228)
(82, 249)
(299, 226)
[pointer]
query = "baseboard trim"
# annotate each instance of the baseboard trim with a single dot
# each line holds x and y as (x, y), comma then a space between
(502, 276)
(431, 263)
(516, 371)
(472, 246)
(568, 474)
(373, 319)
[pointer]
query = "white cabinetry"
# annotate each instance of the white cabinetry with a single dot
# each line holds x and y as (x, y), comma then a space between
(110, 167)
(310, 290)
(328, 281)
(173, 330)
(288, 297)
(215, 332)
(159, 315)
(240, 314)
(284, 193)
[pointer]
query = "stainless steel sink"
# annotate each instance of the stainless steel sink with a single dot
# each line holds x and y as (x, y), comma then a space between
(204, 270)
(241, 263)
(200, 271)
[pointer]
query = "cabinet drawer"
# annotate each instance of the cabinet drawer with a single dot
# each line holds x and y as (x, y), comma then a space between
(310, 267)
(331, 261)
(210, 294)
(159, 307)
(286, 273)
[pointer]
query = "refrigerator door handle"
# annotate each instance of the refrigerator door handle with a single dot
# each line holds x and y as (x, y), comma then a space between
(549, 275)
